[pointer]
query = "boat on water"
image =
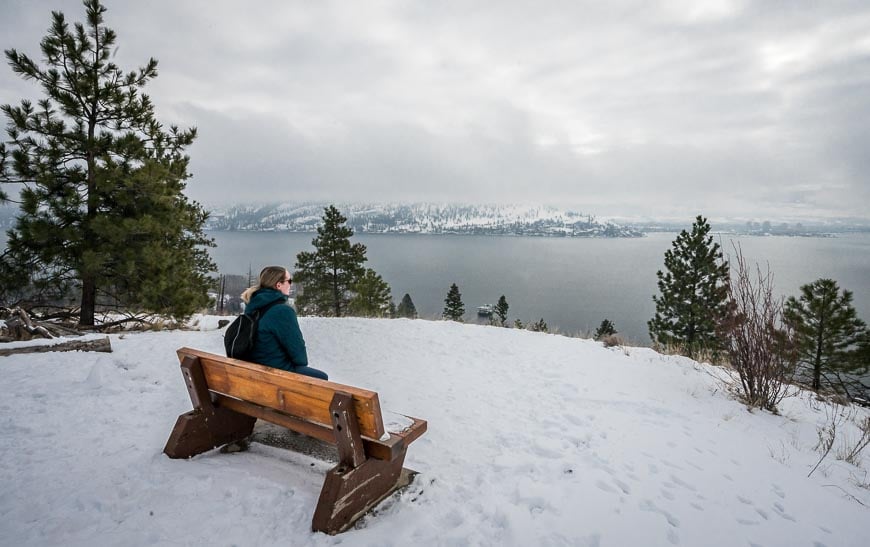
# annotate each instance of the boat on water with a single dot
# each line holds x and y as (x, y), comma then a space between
(485, 311)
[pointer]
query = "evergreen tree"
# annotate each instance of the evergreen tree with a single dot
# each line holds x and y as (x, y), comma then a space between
(501, 311)
(693, 292)
(453, 307)
(329, 274)
(518, 324)
(103, 216)
(539, 326)
(372, 298)
(407, 308)
(828, 333)
(606, 328)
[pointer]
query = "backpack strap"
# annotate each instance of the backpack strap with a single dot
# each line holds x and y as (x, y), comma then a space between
(262, 311)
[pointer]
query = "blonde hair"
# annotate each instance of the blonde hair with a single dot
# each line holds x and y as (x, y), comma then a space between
(269, 277)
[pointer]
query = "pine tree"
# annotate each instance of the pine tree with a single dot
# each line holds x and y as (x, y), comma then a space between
(103, 216)
(453, 307)
(693, 292)
(501, 311)
(606, 328)
(328, 275)
(539, 326)
(372, 298)
(407, 308)
(828, 333)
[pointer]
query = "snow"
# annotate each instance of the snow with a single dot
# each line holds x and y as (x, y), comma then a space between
(533, 439)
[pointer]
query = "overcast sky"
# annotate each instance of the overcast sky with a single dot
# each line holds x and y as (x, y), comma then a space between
(731, 109)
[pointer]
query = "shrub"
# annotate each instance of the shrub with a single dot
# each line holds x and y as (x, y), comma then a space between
(539, 326)
(612, 340)
(757, 343)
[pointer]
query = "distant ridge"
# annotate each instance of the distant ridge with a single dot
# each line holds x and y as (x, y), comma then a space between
(421, 218)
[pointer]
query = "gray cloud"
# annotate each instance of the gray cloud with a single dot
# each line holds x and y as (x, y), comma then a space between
(730, 108)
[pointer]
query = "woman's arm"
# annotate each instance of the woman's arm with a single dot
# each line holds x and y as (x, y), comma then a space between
(290, 336)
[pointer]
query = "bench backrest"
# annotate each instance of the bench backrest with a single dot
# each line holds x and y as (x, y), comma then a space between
(294, 394)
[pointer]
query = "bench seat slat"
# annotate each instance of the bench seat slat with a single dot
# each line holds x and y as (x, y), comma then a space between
(276, 389)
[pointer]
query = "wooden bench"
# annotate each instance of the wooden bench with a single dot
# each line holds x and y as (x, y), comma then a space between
(228, 396)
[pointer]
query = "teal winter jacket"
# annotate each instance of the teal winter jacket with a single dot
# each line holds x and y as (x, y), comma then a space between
(279, 340)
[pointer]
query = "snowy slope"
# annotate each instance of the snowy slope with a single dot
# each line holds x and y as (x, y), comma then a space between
(533, 439)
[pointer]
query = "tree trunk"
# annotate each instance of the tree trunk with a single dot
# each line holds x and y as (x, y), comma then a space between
(89, 300)
(817, 367)
(817, 362)
(335, 299)
(89, 286)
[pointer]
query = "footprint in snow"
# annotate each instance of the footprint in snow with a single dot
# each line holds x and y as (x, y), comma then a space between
(453, 519)
(575, 420)
(622, 486)
(649, 505)
(671, 465)
(604, 486)
(780, 510)
(694, 465)
(546, 452)
(680, 482)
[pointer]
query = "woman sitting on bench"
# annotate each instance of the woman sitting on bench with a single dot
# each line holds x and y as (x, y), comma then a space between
(279, 341)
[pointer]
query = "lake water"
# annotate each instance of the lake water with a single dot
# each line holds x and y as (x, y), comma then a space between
(572, 283)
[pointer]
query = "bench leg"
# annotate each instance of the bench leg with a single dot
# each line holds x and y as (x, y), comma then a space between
(207, 425)
(348, 494)
(197, 431)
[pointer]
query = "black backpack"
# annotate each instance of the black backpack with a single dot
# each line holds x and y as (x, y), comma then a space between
(241, 335)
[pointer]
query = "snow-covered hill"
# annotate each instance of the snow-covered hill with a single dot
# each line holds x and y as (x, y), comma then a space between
(423, 218)
(533, 439)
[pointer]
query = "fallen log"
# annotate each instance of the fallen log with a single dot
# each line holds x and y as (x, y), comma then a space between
(98, 344)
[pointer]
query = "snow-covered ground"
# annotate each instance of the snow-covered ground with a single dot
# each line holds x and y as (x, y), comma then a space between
(533, 439)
